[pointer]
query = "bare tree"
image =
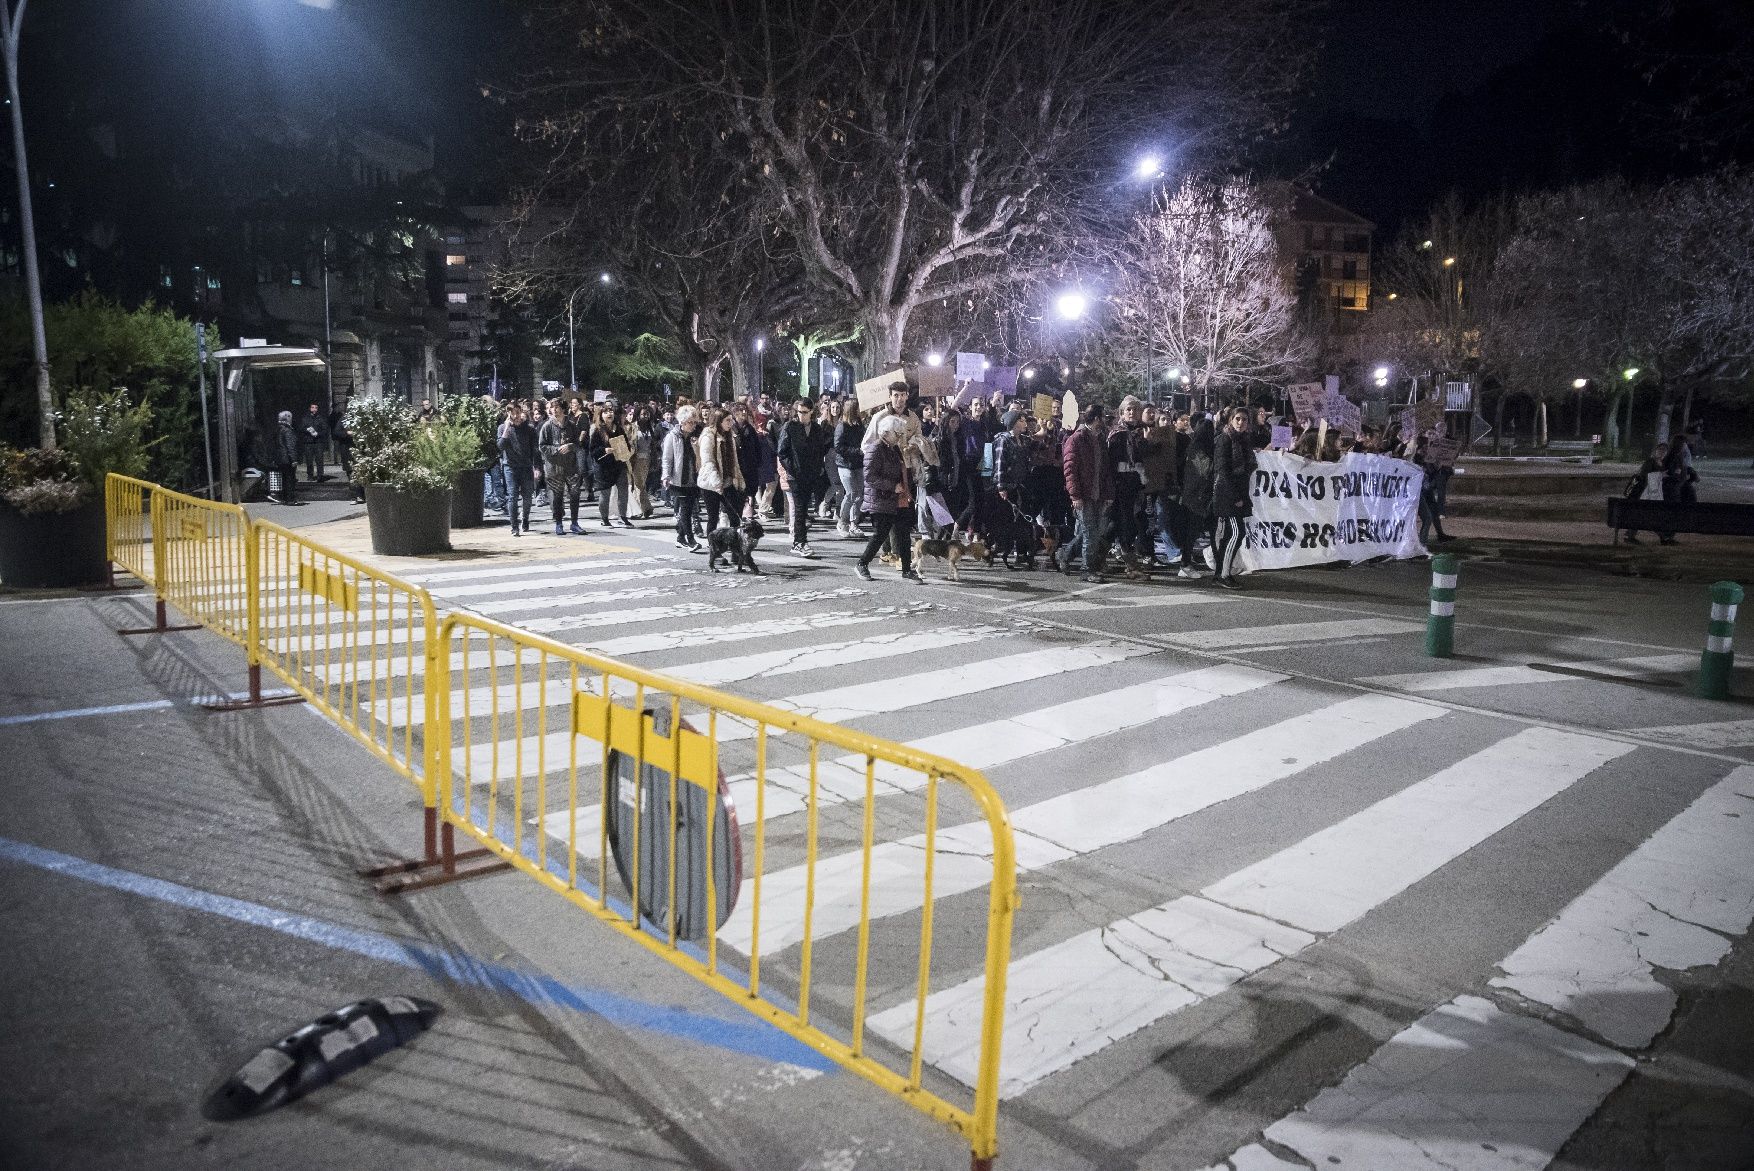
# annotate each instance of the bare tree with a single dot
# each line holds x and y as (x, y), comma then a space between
(915, 150)
(1202, 282)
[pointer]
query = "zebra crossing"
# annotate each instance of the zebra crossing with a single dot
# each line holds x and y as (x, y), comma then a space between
(1099, 747)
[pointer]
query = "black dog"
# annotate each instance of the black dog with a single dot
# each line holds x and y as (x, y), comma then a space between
(736, 545)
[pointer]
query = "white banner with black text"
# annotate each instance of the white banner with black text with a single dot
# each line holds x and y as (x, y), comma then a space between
(1310, 513)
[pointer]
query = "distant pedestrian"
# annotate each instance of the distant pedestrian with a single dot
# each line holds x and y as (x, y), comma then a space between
(1648, 484)
(722, 486)
(1233, 465)
(285, 460)
(681, 472)
(313, 442)
(518, 452)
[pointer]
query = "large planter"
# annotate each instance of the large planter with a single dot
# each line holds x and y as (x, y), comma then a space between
(468, 499)
(408, 524)
(53, 550)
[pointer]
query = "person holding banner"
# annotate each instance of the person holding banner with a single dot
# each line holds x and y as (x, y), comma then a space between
(1196, 498)
(1127, 449)
(1233, 465)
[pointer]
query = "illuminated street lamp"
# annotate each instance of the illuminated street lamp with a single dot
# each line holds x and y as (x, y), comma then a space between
(1148, 167)
(1449, 262)
(603, 277)
(1029, 372)
(1631, 372)
(1071, 306)
(934, 359)
(1381, 374)
(1579, 383)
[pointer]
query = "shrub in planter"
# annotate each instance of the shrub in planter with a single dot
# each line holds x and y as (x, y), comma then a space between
(52, 502)
(480, 416)
(407, 469)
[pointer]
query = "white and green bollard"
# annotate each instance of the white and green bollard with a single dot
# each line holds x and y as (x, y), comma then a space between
(1719, 658)
(1440, 628)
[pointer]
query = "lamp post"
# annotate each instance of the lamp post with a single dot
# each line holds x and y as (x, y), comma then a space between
(760, 348)
(1148, 169)
(39, 342)
(572, 361)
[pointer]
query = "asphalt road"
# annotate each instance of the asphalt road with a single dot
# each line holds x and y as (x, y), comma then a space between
(1293, 894)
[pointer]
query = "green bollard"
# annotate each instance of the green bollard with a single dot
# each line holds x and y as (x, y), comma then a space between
(1719, 658)
(1440, 628)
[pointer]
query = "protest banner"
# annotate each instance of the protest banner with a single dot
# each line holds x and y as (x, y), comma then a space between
(1311, 513)
(1342, 413)
(874, 392)
(935, 381)
(970, 367)
(1003, 379)
(1306, 401)
(1043, 406)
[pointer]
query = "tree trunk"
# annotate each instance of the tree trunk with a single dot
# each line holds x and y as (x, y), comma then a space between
(1687, 409)
(743, 380)
(1665, 410)
(884, 330)
(1498, 425)
(1611, 424)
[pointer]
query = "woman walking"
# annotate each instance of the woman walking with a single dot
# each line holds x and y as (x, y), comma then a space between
(888, 496)
(609, 455)
(1233, 465)
(721, 476)
(643, 441)
(849, 437)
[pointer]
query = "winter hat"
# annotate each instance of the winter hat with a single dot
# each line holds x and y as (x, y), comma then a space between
(286, 416)
(1010, 419)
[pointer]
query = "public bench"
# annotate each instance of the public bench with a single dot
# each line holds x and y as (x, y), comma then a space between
(1571, 447)
(1663, 516)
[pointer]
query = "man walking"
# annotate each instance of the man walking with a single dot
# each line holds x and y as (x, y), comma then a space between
(1090, 484)
(517, 450)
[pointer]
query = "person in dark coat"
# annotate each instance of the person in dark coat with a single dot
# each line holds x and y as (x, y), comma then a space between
(802, 443)
(286, 460)
(313, 442)
(518, 452)
(1196, 493)
(889, 497)
(1091, 486)
(1233, 466)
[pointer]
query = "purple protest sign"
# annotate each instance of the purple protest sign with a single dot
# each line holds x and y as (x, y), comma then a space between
(1003, 379)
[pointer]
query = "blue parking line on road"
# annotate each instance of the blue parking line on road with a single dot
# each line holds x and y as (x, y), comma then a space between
(750, 1038)
(71, 713)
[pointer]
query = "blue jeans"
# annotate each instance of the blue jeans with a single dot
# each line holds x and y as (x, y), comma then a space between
(520, 488)
(1089, 538)
(852, 482)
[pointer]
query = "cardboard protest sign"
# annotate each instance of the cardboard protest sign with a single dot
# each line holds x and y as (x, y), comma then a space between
(1443, 452)
(1003, 379)
(1281, 438)
(1306, 400)
(1342, 413)
(1043, 406)
(935, 381)
(1069, 409)
(970, 367)
(618, 448)
(874, 392)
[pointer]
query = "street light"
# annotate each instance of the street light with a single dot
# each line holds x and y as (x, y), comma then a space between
(1579, 383)
(1449, 262)
(1631, 372)
(1148, 167)
(1029, 372)
(760, 346)
(1071, 306)
(603, 278)
(934, 359)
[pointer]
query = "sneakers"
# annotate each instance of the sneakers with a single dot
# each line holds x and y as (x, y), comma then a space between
(863, 570)
(688, 545)
(576, 529)
(912, 575)
(1093, 578)
(1187, 571)
(840, 531)
(516, 531)
(1229, 583)
(625, 523)
(804, 551)
(558, 531)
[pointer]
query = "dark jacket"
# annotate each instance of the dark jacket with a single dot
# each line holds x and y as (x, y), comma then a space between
(952, 469)
(517, 446)
(1197, 471)
(550, 439)
(847, 440)
(1233, 465)
(285, 444)
(606, 470)
(1127, 449)
(339, 435)
(801, 448)
(1011, 464)
(1086, 468)
(883, 471)
(749, 454)
(308, 423)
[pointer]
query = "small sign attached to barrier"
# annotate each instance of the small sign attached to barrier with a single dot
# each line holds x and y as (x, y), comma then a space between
(194, 529)
(330, 586)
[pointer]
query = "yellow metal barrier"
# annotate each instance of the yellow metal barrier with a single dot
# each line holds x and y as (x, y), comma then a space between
(354, 641)
(202, 558)
(537, 738)
(128, 535)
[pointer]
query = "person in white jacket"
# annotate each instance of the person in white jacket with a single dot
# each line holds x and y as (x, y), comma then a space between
(721, 475)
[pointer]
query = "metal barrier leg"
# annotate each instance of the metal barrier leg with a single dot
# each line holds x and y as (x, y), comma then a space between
(256, 698)
(403, 877)
(109, 585)
(159, 625)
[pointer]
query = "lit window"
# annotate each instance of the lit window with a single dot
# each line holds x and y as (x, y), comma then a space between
(456, 258)
(458, 298)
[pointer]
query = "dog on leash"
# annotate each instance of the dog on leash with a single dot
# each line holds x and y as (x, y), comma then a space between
(736, 545)
(948, 550)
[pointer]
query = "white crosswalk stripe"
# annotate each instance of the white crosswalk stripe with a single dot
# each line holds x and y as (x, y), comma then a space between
(1064, 827)
(1240, 637)
(439, 579)
(551, 602)
(524, 585)
(1076, 997)
(1721, 734)
(1475, 1087)
(1516, 675)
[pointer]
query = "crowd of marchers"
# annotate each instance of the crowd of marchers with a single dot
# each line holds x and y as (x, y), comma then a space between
(1140, 488)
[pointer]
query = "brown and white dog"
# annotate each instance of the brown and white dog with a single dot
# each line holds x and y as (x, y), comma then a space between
(949, 550)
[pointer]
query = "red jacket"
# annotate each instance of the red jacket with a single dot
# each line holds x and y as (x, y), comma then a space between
(1084, 460)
